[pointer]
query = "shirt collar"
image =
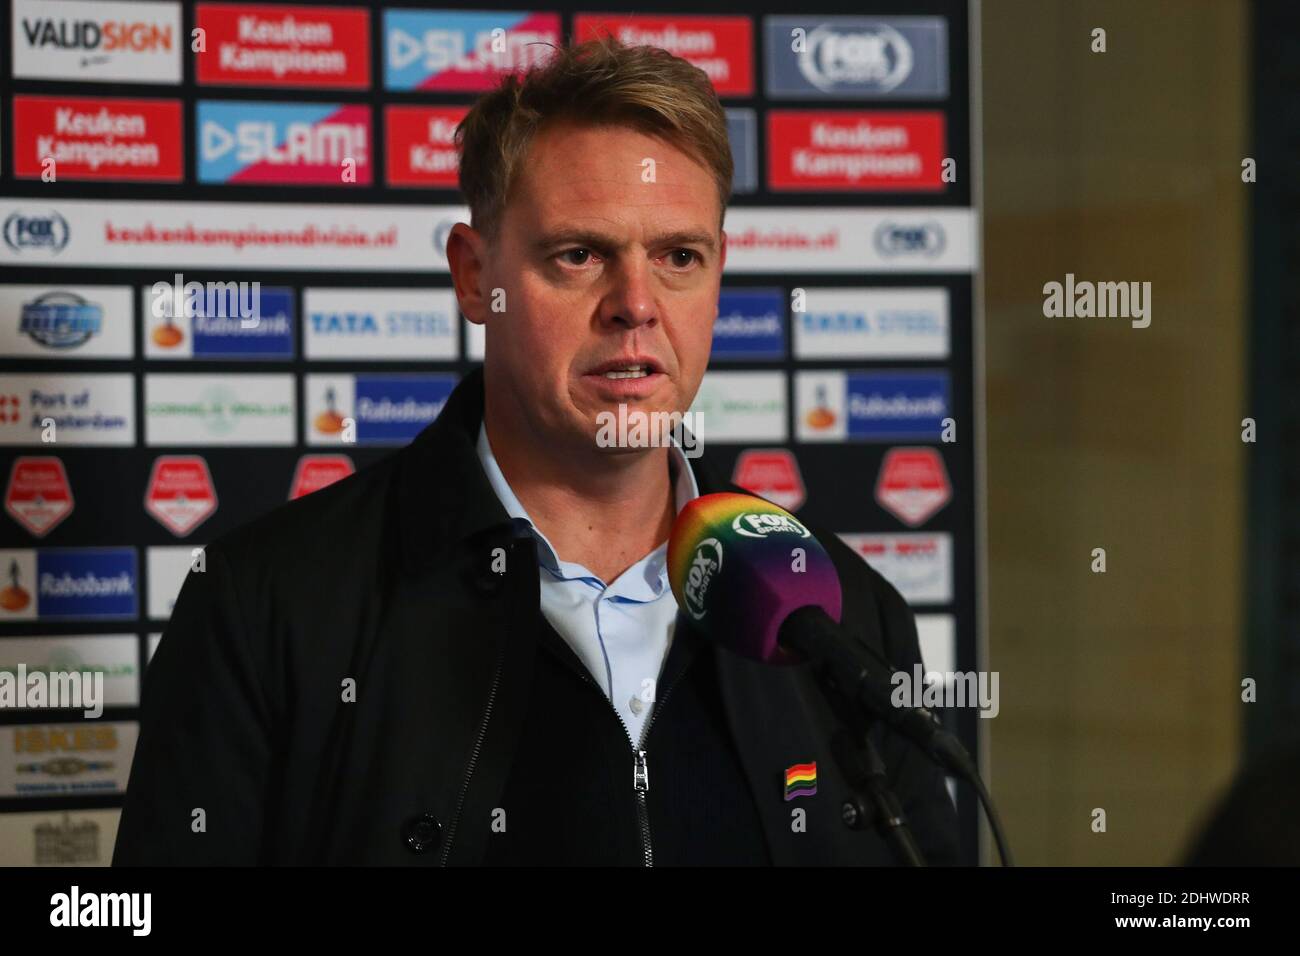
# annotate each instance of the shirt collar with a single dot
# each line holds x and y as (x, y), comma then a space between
(685, 489)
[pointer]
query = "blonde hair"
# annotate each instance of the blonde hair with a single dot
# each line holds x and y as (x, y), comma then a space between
(600, 82)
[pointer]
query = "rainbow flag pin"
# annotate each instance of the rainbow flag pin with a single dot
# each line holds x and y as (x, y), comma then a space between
(801, 780)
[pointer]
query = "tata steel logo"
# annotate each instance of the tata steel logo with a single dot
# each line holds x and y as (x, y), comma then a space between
(704, 567)
(25, 232)
(878, 56)
(922, 239)
(764, 524)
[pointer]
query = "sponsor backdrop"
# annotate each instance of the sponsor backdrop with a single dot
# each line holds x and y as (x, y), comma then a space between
(222, 285)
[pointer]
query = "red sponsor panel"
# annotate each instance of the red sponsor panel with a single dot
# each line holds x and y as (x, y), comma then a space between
(772, 474)
(420, 145)
(843, 150)
(267, 45)
(39, 495)
(723, 47)
(913, 484)
(180, 493)
(66, 137)
(315, 472)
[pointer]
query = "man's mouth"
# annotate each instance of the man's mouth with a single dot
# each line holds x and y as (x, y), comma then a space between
(631, 371)
(625, 369)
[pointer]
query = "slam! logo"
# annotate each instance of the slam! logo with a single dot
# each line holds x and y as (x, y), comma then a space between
(319, 144)
(455, 51)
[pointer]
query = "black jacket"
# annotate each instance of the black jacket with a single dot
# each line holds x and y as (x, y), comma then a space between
(349, 682)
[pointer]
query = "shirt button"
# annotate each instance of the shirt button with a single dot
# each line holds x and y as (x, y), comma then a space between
(636, 705)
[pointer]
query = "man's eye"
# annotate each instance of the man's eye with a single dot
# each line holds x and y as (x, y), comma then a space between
(689, 254)
(583, 254)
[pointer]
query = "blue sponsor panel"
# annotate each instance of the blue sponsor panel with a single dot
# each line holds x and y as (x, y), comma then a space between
(887, 406)
(742, 131)
(392, 409)
(750, 325)
(86, 583)
(856, 57)
(220, 331)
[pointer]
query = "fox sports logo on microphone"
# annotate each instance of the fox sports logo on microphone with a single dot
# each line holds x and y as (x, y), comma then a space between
(705, 565)
(764, 524)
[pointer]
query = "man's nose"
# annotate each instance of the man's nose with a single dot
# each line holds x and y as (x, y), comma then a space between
(630, 301)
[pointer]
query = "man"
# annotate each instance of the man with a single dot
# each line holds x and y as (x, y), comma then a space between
(468, 653)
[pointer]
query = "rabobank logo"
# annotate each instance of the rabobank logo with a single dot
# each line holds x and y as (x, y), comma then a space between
(36, 232)
(898, 405)
(68, 583)
(924, 240)
(372, 409)
(453, 50)
(857, 57)
(218, 320)
(750, 325)
(324, 144)
(872, 406)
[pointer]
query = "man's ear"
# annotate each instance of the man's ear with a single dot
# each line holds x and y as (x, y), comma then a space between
(466, 252)
(722, 256)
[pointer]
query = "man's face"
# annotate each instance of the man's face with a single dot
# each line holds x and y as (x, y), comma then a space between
(609, 259)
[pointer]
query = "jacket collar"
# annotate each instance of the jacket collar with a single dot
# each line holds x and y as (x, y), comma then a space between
(443, 495)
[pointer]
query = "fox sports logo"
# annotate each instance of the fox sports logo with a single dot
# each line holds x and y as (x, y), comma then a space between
(878, 57)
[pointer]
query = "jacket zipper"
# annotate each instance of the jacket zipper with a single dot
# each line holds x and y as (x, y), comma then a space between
(473, 757)
(640, 767)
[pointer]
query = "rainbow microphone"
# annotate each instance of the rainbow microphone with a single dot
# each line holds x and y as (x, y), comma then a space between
(751, 577)
(739, 566)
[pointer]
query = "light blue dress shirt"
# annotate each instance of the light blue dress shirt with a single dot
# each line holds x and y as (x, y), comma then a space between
(622, 630)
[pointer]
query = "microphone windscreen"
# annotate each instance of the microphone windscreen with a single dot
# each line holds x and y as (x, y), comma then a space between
(739, 565)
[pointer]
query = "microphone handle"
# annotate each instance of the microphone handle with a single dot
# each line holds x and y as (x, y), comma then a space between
(852, 672)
